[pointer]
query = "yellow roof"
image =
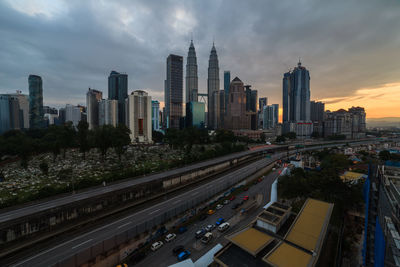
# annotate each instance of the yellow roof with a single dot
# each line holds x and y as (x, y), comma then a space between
(251, 240)
(309, 224)
(351, 176)
(286, 255)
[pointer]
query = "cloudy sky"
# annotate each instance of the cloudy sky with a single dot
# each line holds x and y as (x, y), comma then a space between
(351, 47)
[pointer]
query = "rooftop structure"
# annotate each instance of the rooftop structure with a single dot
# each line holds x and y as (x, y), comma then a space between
(299, 244)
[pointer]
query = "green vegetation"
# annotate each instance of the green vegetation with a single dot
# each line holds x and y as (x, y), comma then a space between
(325, 185)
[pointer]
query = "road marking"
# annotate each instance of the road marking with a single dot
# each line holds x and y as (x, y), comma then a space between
(124, 225)
(154, 211)
(87, 241)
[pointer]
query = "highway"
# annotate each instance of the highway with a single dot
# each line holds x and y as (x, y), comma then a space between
(164, 257)
(69, 248)
(59, 202)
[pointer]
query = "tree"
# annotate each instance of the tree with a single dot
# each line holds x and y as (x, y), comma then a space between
(173, 137)
(120, 139)
(158, 136)
(263, 137)
(384, 155)
(103, 139)
(280, 139)
(83, 129)
(67, 137)
(222, 135)
(44, 167)
(315, 135)
(291, 135)
(52, 140)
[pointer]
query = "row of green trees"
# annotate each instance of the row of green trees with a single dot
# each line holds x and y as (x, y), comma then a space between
(57, 139)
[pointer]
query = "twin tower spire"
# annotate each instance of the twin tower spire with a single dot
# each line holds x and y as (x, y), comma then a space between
(192, 88)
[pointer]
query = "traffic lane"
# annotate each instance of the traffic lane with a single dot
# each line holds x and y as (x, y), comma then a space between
(45, 205)
(164, 256)
(63, 251)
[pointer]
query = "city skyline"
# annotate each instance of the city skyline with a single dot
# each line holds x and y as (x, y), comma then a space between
(359, 67)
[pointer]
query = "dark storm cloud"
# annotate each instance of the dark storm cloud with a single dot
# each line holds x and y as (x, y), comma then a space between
(346, 44)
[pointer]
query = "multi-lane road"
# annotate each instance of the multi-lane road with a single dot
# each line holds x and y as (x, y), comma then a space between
(71, 247)
(164, 257)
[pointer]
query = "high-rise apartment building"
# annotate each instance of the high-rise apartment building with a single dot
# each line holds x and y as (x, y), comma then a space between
(227, 83)
(36, 113)
(276, 113)
(296, 102)
(350, 124)
(108, 112)
(192, 86)
(173, 91)
(23, 101)
(236, 117)
(317, 110)
(93, 97)
(270, 114)
(213, 90)
(139, 116)
(72, 114)
(155, 115)
(118, 90)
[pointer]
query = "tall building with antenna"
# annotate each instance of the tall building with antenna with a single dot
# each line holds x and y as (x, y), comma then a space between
(213, 90)
(191, 75)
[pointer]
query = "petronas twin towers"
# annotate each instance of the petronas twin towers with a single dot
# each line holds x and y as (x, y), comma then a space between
(212, 84)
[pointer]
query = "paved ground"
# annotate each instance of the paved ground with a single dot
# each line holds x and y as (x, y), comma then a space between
(164, 257)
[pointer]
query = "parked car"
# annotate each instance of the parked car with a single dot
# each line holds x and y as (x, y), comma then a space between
(210, 212)
(226, 202)
(199, 234)
(220, 221)
(178, 250)
(182, 229)
(232, 198)
(210, 227)
(223, 227)
(183, 255)
(156, 245)
(219, 206)
(207, 237)
(235, 206)
(246, 198)
(170, 237)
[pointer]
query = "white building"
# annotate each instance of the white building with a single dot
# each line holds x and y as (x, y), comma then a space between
(138, 107)
(73, 114)
(23, 101)
(108, 112)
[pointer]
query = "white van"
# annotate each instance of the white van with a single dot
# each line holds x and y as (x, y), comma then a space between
(223, 227)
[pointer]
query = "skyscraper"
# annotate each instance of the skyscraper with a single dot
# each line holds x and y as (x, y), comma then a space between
(276, 113)
(251, 99)
(236, 117)
(227, 83)
(139, 116)
(213, 90)
(23, 101)
(195, 114)
(36, 119)
(155, 115)
(118, 90)
(173, 91)
(5, 124)
(191, 75)
(72, 114)
(93, 98)
(262, 101)
(296, 101)
(108, 112)
(317, 110)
